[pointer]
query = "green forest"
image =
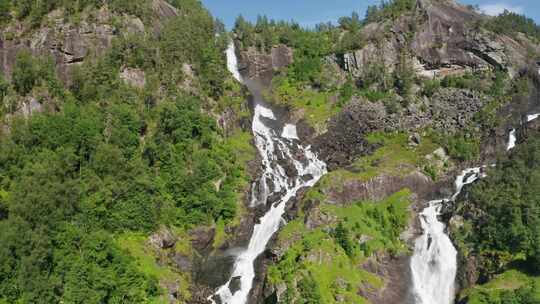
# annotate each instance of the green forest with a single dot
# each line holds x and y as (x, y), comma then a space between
(111, 158)
(501, 229)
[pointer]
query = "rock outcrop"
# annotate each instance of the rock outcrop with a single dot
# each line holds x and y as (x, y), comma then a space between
(449, 110)
(443, 38)
(378, 188)
(254, 64)
(345, 138)
(70, 43)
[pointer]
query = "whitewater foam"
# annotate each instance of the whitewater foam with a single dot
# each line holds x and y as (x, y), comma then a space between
(308, 168)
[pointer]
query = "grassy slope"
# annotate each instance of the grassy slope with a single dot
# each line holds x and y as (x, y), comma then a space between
(394, 158)
(495, 289)
(315, 253)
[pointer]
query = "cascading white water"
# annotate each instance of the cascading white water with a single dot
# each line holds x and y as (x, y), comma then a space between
(309, 169)
(511, 140)
(289, 131)
(434, 264)
(532, 117)
(232, 62)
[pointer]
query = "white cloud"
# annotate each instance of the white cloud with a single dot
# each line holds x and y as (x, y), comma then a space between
(498, 8)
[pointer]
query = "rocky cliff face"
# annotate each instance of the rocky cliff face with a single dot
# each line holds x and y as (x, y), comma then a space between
(443, 38)
(70, 42)
(254, 64)
(449, 110)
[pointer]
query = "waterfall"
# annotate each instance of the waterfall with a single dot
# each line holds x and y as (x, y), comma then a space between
(532, 117)
(232, 62)
(512, 135)
(274, 149)
(511, 140)
(434, 263)
(289, 131)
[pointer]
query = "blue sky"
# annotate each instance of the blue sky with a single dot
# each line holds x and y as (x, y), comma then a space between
(311, 12)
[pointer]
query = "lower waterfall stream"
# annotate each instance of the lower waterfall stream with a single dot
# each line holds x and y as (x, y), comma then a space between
(434, 261)
(279, 153)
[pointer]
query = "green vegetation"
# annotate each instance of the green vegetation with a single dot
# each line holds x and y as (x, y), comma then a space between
(511, 286)
(382, 222)
(315, 104)
(104, 164)
(305, 82)
(510, 23)
(390, 9)
(492, 83)
(135, 244)
(308, 85)
(317, 265)
(34, 11)
(464, 146)
(504, 232)
(395, 157)
(30, 72)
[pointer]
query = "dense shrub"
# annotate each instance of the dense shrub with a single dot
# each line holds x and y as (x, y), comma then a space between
(25, 73)
(463, 147)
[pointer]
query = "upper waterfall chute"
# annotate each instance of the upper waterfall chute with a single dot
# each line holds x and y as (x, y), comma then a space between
(232, 61)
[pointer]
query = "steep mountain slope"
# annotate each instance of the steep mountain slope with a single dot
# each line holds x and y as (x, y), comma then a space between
(128, 169)
(399, 101)
(123, 158)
